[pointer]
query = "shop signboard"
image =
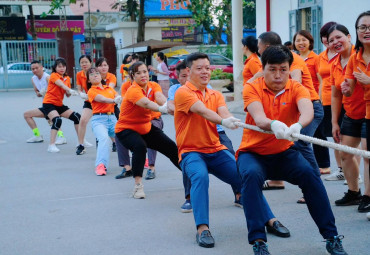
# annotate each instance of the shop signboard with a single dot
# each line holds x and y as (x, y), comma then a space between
(46, 27)
(167, 8)
(12, 28)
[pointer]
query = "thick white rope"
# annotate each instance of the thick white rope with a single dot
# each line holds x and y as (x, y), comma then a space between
(335, 146)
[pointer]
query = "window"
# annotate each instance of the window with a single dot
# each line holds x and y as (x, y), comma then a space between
(219, 60)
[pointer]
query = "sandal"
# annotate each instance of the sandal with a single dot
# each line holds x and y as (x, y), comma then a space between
(266, 186)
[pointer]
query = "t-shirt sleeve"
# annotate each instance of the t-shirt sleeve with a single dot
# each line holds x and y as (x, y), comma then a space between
(184, 100)
(156, 87)
(250, 94)
(113, 79)
(121, 69)
(296, 66)
(125, 87)
(350, 67)
(92, 93)
(220, 99)
(172, 91)
(54, 77)
(164, 68)
(255, 66)
(134, 94)
(301, 92)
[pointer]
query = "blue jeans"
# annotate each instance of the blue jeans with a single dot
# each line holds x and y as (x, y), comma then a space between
(196, 166)
(103, 128)
(289, 166)
(304, 147)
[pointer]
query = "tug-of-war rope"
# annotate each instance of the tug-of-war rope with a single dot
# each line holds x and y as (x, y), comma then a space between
(323, 143)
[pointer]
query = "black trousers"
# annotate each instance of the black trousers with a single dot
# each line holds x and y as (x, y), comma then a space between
(138, 144)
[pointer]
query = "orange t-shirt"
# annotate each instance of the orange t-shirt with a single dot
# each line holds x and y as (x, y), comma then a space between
(355, 104)
(324, 71)
(133, 116)
(312, 62)
(251, 66)
(354, 62)
(298, 63)
(124, 87)
(55, 94)
(81, 80)
(110, 78)
(282, 107)
(107, 92)
(193, 132)
(123, 71)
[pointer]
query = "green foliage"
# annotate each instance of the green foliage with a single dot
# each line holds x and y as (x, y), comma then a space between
(225, 51)
(55, 5)
(218, 74)
(249, 14)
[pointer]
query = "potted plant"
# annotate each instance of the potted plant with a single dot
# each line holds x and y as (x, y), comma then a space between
(220, 79)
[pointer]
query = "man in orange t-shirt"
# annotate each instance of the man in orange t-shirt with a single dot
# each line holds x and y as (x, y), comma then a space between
(273, 103)
(197, 111)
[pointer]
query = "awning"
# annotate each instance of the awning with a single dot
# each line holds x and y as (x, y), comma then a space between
(152, 45)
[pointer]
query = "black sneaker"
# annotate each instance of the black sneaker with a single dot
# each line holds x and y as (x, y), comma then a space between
(334, 246)
(80, 150)
(260, 248)
(350, 198)
(364, 204)
(124, 174)
(114, 147)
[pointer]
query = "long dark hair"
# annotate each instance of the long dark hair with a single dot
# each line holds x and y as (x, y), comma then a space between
(359, 44)
(162, 57)
(251, 43)
(124, 61)
(56, 63)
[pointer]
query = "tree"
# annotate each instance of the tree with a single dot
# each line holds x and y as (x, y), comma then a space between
(215, 16)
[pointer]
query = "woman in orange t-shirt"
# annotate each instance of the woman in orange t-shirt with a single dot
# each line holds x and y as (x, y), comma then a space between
(102, 98)
(352, 130)
(134, 128)
(83, 87)
(252, 64)
(358, 72)
(52, 105)
(110, 80)
(125, 64)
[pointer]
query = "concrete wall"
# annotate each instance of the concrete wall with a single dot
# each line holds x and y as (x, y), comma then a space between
(342, 11)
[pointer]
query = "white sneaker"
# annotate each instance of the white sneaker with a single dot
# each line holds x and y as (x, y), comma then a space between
(138, 191)
(87, 144)
(35, 139)
(368, 215)
(359, 180)
(52, 148)
(61, 140)
(336, 176)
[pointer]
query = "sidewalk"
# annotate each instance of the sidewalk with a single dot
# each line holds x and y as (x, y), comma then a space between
(55, 204)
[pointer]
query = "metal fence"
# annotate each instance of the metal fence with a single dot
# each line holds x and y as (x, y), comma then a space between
(16, 58)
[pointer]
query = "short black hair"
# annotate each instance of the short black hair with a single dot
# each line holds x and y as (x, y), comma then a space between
(251, 43)
(270, 38)
(135, 56)
(36, 62)
(85, 56)
(180, 66)
(358, 44)
(57, 62)
(276, 54)
(100, 61)
(324, 29)
(288, 43)
(195, 56)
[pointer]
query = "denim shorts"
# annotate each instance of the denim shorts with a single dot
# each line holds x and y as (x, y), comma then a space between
(352, 127)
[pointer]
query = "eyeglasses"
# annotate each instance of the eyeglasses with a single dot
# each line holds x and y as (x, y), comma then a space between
(363, 28)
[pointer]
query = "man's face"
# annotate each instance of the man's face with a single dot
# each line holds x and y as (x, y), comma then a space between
(200, 72)
(183, 76)
(261, 46)
(276, 76)
(37, 69)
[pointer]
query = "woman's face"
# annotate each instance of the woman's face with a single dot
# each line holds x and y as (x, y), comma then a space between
(364, 37)
(141, 76)
(129, 59)
(61, 69)
(95, 77)
(301, 43)
(103, 68)
(339, 41)
(85, 64)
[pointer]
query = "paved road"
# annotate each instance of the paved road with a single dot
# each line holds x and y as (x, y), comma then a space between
(55, 204)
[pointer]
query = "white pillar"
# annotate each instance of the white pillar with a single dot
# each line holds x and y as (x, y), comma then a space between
(237, 35)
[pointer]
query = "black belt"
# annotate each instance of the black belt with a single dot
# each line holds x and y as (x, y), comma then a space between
(104, 113)
(316, 101)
